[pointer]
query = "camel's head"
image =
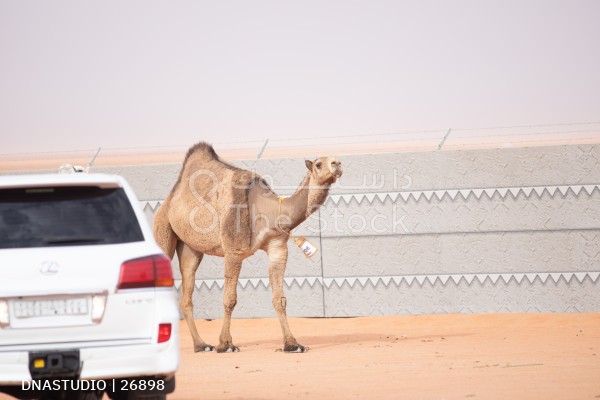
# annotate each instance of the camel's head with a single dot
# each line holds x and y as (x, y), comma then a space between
(325, 170)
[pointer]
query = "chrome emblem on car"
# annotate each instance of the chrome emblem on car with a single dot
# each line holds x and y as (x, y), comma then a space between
(49, 268)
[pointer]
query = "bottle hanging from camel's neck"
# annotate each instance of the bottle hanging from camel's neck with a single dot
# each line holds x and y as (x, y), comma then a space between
(307, 247)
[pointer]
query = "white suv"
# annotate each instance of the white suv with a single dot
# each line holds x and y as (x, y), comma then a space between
(87, 303)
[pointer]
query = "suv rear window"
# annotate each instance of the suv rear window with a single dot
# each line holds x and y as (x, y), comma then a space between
(66, 216)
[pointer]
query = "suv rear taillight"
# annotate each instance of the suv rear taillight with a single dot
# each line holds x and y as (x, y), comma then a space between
(164, 333)
(153, 271)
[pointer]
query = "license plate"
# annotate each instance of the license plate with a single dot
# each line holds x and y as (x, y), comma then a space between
(50, 307)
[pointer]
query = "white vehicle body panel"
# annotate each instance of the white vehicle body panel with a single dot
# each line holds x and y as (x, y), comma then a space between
(50, 296)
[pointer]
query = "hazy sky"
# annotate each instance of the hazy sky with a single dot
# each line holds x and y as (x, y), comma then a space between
(82, 74)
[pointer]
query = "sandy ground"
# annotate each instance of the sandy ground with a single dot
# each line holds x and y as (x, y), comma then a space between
(511, 356)
(508, 356)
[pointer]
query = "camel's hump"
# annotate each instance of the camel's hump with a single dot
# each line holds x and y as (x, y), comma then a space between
(204, 148)
(204, 152)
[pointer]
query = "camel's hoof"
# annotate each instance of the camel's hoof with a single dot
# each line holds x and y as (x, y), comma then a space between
(203, 348)
(228, 349)
(295, 348)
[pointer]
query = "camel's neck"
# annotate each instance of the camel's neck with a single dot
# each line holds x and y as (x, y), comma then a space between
(305, 201)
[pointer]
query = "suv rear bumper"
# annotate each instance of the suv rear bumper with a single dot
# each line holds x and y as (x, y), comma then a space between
(103, 362)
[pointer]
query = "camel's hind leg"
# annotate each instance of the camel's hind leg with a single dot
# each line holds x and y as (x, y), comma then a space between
(278, 253)
(188, 264)
(233, 265)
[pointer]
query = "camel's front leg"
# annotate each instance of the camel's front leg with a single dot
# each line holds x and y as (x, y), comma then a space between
(278, 253)
(233, 265)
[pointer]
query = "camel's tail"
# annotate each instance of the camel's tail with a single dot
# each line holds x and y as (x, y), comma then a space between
(163, 232)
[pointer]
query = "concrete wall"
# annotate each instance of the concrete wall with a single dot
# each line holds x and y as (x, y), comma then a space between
(495, 230)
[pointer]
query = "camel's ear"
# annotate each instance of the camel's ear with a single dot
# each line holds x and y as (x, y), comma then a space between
(309, 164)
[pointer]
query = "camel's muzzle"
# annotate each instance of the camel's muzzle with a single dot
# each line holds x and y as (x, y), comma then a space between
(336, 168)
(337, 173)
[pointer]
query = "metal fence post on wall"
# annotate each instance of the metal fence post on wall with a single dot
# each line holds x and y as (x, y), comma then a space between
(262, 150)
(444, 139)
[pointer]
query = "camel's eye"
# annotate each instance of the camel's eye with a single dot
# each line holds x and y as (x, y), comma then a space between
(318, 164)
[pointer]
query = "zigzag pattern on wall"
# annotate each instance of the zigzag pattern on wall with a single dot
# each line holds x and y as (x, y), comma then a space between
(453, 194)
(153, 204)
(421, 280)
(464, 193)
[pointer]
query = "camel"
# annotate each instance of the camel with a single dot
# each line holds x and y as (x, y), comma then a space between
(217, 209)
